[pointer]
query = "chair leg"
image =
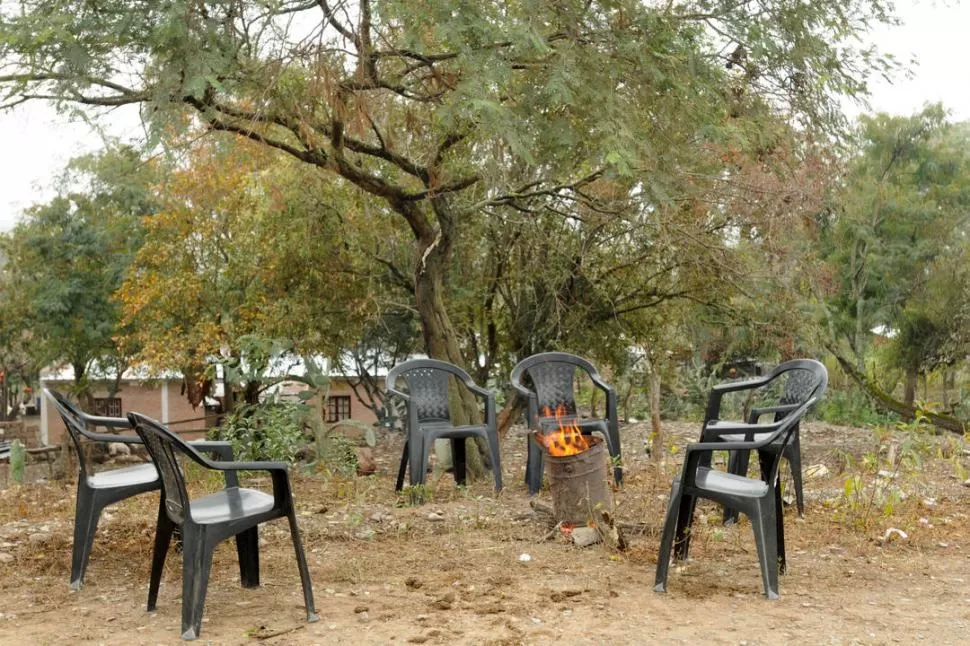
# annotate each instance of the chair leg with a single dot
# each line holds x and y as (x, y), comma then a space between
(763, 522)
(794, 454)
(418, 457)
(738, 465)
(613, 439)
(163, 538)
(404, 465)
(779, 531)
(196, 565)
(247, 547)
(87, 512)
(667, 539)
(685, 517)
(496, 459)
(458, 451)
(311, 611)
(533, 466)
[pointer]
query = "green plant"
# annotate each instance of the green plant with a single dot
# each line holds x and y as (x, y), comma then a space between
(337, 450)
(850, 407)
(415, 495)
(268, 431)
(338, 454)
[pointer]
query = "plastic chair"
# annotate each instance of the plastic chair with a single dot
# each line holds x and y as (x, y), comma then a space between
(760, 500)
(798, 380)
(428, 418)
(207, 521)
(95, 491)
(552, 376)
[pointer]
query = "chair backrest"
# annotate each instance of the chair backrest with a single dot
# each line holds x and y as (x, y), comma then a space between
(165, 447)
(553, 377)
(803, 379)
(74, 421)
(427, 386)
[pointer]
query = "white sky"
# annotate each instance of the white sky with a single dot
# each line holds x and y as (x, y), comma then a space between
(37, 142)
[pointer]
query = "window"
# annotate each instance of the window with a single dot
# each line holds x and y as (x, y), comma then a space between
(107, 406)
(338, 408)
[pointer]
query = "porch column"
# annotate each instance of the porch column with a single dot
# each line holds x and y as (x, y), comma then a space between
(165, 401)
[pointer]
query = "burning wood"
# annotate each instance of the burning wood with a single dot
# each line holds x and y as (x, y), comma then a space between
(567, 439)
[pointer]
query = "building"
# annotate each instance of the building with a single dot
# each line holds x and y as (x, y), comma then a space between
(162, 397)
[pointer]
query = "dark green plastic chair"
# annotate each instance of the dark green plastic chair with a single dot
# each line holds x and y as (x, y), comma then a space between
(97, 490)
(429, 418)
(759, 499)
(778, 393)
(547, 382)
(209, 520)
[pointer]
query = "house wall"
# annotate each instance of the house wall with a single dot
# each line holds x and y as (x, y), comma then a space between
(340, 388)
(160, 400)
(359, 412)
(163, 401)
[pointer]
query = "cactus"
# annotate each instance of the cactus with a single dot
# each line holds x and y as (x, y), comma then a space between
(18, 458)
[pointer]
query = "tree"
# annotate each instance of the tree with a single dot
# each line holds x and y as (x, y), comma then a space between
(896, 245)
(68, 256)
(227, 259)
(441, 113)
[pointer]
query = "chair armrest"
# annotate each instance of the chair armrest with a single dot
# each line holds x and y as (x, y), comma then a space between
(710, 447)
(249, 466)
(598, 382)
(398, 393)
(713, 432)
(770, 431)
(107, 422)
(279, 471)
(218, 447)
(746, 384)
(764, 410)
(109, 437)
(475, 388)
(224, 452)
(718, 391)
(489, 398)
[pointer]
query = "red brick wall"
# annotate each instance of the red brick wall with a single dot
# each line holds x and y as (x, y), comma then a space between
(139, 398)
(340, 388)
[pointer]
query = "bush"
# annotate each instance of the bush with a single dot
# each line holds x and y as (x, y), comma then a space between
(851, 407)
(269, 431)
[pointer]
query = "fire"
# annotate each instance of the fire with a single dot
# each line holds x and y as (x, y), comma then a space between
(568, 440)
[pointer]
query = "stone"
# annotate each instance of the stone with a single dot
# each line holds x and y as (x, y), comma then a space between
(118, 448)
(6, 558)
(816, 471)
(366, 465)
(585, 536)
(40, 538)
(892, 534)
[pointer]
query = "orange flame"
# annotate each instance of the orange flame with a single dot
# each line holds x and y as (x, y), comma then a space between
(568, 440)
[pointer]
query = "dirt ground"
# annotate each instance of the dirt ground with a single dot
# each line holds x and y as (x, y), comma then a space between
(473, 567)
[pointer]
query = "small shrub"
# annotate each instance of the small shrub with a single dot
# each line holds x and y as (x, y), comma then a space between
(850, 407)
(270, 431)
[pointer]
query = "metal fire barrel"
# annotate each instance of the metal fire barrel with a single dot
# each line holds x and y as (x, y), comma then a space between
(580, 485)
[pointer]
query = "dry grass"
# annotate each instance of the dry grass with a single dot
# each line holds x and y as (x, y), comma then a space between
(452, 570)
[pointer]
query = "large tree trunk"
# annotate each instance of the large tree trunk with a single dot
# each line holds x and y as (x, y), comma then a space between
(440, 337)
(884, 400)
(656, 430)
(909, 391)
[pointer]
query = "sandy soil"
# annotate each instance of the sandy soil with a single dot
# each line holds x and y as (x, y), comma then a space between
(455, 570)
